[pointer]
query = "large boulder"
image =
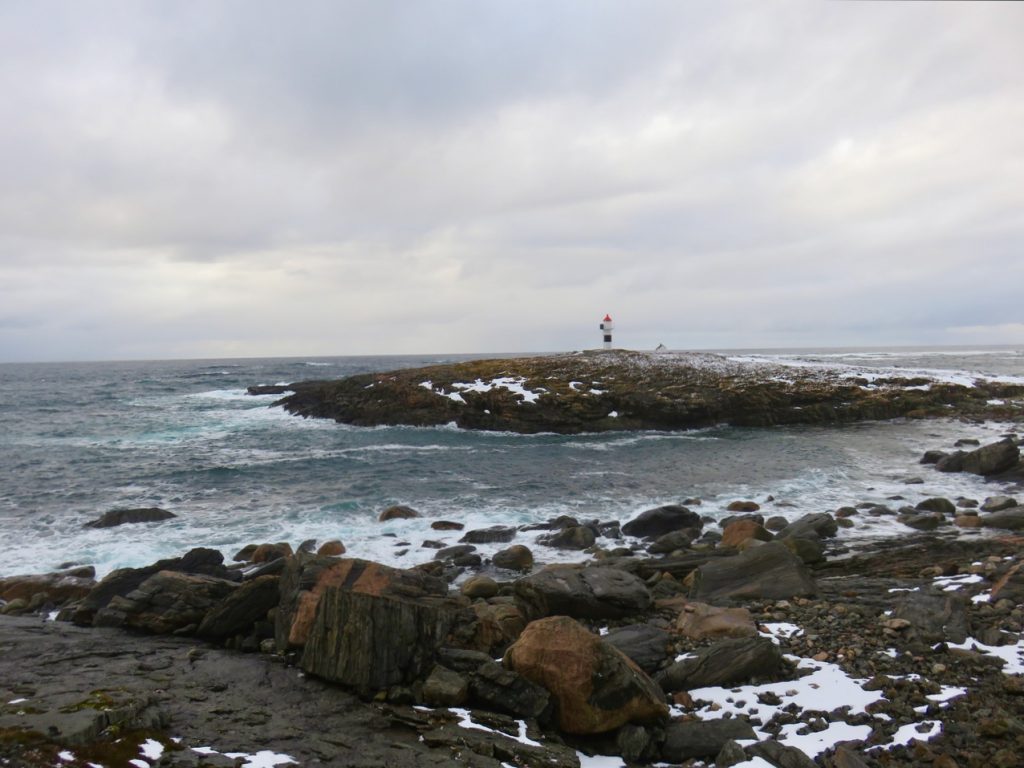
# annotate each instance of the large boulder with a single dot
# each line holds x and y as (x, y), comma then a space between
(572, 537)
(496, 533)
(661, 520)
(117, 517)
(241, 609)
(165, 603)
(1010, 519)
(583, 592)
(734, 660)
(370, 642)
(594, 686)
(515, 558)
(993, 458)
(768, 572)
(208, 562)
(306, 578)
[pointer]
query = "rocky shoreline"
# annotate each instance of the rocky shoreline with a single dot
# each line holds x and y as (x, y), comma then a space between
(623, 390)
(680, 641)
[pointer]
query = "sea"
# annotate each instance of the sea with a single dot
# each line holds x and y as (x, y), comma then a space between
(79, 439)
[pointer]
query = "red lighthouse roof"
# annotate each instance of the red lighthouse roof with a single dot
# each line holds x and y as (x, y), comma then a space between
(607, 318)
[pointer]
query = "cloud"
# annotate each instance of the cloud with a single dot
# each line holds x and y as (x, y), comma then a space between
(248, 177)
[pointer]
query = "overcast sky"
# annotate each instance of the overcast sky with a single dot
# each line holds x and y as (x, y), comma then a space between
(205, 179)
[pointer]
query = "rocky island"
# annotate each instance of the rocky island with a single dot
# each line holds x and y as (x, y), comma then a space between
(623, 390)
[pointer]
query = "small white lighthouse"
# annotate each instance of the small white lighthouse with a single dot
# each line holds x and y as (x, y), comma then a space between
(606, 327)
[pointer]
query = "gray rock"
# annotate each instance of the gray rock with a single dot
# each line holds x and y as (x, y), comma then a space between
(241, 608)
(780, 755)
(937, 504)
(702, 739)
(951, 462)
(445, 688)
(646, 645)
(453, 552)
(820, 524)
(928, 521)
(932, 457)
(516, 558)
(769, 571)
(573, 537)
(1011, 519)
(496, 533)
(934, 617)
(998, 503)
(662, 520)
(734, 660)
(117, 517)
(670, 542)
(499, 689)
(166, 602)
(583, 592)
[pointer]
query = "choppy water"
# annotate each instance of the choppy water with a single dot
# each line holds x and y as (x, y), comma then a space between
(78, 439)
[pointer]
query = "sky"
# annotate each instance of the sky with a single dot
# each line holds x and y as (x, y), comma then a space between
(248, 178)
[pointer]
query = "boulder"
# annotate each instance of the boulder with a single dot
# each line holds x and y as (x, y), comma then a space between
(266, 553)
(700, 621)
(1010, 519)
(574, 537)
(121, 582)
(932, 457)
(117, 517)
(241, 608)
(743, 506)
(937, 504)
(370, 642)
(496, 533)
(332, 548)
(730, 661)
(455, 552)
(776, 523)
(647, 646)
(398, 512)
(661, 520)
(820, 524)
(499, 689)
(594, 686)
(446, 525)
(781, 755)
(702, 739)
(740, 531)
(244, 555)
(515, 558)
(586, 592)
(809, 549)
(166, 602)
(998, 503)
(479, 586)
(951, 462)
(1010, 586)
(993, 458)
(670, 542)
(497, 625)
(933, 617)
(768, 572)
(445, 688)
(306, 578)
(928, 521)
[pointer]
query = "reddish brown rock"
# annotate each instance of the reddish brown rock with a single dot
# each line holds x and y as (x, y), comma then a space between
(446, 525)
(398, 512)
(57, 587)
(332, 548)
(740, 531)
(595, 687)
(743, 506)
(700, 621)
(264, 553)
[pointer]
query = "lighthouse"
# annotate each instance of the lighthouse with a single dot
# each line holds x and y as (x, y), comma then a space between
(606, 328)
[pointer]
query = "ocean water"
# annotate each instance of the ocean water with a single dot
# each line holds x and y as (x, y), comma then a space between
(78, 439)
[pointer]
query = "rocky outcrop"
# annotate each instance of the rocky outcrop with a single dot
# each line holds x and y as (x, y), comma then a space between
(615, 390)
(167, 602)
(594, 592)
(988, 460)
(117, 517)
(39, 589)
(647, 646)
(594, 686)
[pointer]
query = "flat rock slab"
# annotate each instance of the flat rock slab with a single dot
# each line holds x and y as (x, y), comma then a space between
(768, 572)
(206, 696)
